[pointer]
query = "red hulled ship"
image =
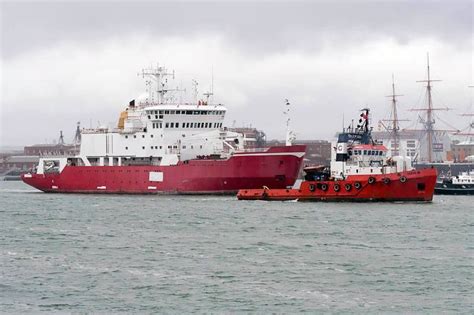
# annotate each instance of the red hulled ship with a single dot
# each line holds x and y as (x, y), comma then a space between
(360, 171)
(164, 146)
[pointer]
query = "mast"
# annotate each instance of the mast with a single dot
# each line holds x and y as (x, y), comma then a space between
(395, 135)
(429, 123)
(158, 74)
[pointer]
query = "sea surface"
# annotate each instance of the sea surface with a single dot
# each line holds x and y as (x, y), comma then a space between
(174, 254)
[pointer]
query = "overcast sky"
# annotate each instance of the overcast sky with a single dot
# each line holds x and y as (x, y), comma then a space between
(63, 62)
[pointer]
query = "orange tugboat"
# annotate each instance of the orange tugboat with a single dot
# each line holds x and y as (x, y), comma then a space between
(360, 171)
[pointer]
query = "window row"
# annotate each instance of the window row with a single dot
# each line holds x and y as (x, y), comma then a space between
(188, 125)
(185, 112)
(365, 152)
(169, 147)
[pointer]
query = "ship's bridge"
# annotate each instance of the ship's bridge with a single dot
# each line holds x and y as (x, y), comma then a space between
(365, 150)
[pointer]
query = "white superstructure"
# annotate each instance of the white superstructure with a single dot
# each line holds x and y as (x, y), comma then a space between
(158, 130)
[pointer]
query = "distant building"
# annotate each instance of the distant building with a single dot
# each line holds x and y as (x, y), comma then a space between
(17, 162)
(51, 149)
(462, 151)
(414, 143)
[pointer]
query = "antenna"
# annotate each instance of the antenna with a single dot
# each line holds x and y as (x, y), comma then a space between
(195, 88)
(212, 83)
(157, 75)
(290, 135)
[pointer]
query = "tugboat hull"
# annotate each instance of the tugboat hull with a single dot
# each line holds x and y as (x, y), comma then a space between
(416, 185)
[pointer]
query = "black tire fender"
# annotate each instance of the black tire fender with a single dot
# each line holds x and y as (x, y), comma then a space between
(357, 185)
(371, 180)
(348, 187)
(337, 187)
(403, 179)
(312, 187)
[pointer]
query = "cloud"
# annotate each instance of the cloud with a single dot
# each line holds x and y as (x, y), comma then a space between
(256, 27)
(50, 89)
(68, 62)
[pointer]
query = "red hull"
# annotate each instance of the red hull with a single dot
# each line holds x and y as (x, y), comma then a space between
(406, 186)
(278, 167)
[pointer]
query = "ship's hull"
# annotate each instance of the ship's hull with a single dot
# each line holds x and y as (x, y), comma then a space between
(448, 188)
(278, 167)
(405, 186)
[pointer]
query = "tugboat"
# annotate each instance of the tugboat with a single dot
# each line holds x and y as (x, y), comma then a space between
(360, 170)
(161, 145)
(462, 184)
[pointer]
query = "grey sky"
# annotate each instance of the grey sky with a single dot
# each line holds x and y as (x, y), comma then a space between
(64, 62)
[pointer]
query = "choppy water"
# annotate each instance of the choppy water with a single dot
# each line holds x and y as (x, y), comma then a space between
(86, 253)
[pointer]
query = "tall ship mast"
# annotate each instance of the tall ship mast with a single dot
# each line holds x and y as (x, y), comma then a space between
(429, 121)
(394, 126)
(164, 145)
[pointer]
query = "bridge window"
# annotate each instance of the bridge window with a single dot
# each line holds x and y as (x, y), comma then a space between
(167, 111)
(177, 125)
(143, 148)
(126, 148)
(365, 152)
